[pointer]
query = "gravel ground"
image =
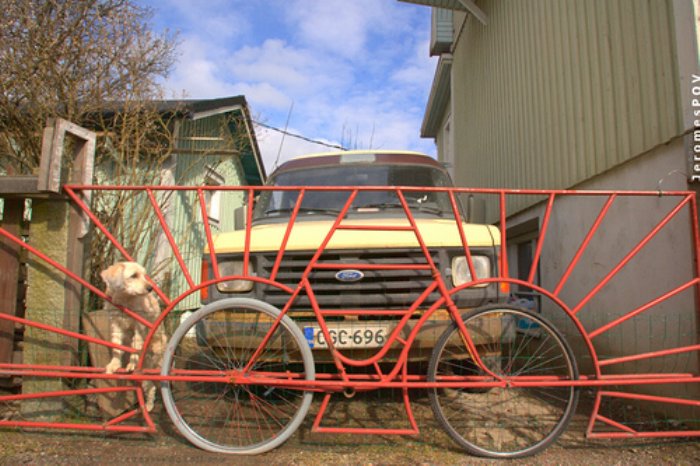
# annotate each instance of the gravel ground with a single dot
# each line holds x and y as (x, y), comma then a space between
(432, 446)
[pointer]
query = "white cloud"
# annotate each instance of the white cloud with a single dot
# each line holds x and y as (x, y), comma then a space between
(356, 71)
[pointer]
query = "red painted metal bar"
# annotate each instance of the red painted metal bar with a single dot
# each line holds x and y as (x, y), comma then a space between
(615, 424)
(654, 398)
(660, 434)
(374, 228)
(100, 226)
(248, 232)
(207, 232)
(70, 274)
(503, 226)
(577, 257)
(60, 393)
(322, 247)
(75, 426)
(462, 236)
(273, 327)
(364, 312)
(540, 240)
(332, 266)
(169, 236)
(431, 189)
(630, 255)
(126, 416)
(394, 334)
(649, 355)
(67, 333)
(417, 233)
(287, 234)
(645, 307)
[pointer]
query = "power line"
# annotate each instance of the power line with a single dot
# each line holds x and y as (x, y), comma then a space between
(299, 136)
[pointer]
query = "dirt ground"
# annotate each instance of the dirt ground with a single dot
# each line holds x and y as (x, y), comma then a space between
(432, 446)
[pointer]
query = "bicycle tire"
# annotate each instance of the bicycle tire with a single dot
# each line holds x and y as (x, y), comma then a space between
(228, 418)
(504, 422)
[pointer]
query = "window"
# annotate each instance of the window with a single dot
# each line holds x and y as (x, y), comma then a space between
(522, 243)
(211, 197)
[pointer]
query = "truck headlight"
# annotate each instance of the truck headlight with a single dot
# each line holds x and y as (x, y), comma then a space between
(460, 269)
(227, 268)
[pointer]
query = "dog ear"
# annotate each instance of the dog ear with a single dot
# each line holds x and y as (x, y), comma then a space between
(113, 276)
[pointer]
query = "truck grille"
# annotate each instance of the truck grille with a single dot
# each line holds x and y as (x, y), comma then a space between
(379, 289)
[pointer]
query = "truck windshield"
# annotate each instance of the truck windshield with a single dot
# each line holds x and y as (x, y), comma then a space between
(281, 203)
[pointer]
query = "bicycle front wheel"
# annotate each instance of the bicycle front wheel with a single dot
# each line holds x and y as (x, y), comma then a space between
(225, 417)
(504, 422)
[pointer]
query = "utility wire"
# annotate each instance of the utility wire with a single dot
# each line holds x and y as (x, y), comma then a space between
(298, 136)
(286, 125)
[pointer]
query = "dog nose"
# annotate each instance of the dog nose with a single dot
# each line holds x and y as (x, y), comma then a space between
(149, 288)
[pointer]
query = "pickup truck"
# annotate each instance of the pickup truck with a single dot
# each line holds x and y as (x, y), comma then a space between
(352, 289)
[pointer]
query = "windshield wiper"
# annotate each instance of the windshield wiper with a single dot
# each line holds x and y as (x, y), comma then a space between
(306, 210)
(381, 205)
(422, 207)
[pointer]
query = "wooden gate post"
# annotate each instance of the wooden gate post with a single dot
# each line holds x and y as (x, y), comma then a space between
(9, 265)
(59, 231)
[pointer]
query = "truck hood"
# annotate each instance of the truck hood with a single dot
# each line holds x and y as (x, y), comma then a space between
(307, 236)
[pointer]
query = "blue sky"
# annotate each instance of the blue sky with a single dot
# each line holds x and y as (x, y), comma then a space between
(353, 72)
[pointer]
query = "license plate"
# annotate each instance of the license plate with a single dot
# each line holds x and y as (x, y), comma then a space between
(349, 335)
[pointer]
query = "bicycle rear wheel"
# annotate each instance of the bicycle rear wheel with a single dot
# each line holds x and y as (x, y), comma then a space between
(230, 418)
(504, 422)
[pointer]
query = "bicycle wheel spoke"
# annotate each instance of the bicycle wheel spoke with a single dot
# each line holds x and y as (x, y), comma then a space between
(504, 421)
(222, 416)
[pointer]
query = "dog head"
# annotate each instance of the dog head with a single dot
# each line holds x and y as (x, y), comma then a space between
(126, 278)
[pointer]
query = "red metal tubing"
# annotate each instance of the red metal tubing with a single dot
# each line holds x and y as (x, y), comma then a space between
(330, 266)
(495, 191)
(60, 393)
(577, 257)
(643, 308)
(462, 236)
(207, 233)
(374, 228)
(287, 234)
(659, 399)
(169, 236)
(630, 255)
(660, 434)
(93, 218)
(74, 426)
(248, 232)
(70, 274)
(649, 355)
(67, 333)
(540, 240)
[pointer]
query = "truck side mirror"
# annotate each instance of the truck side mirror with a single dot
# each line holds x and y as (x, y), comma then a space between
(476, 209)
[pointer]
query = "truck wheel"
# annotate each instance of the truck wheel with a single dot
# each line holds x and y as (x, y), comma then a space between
(225, 417)
(507, 422)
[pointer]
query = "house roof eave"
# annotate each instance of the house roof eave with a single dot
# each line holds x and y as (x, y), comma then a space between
(440, 94)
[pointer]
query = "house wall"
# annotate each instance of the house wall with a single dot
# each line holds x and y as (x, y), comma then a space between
(551, 93)
(184, 214)
(661, 266)
(587, 95)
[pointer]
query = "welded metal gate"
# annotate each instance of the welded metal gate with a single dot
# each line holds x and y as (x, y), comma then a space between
(615, 272)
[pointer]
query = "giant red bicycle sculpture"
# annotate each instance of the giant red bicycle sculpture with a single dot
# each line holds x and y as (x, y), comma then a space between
(239, 374)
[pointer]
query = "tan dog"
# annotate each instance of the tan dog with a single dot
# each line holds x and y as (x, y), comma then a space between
(127, 286)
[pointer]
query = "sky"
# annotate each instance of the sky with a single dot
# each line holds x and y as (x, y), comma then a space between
(353, 73)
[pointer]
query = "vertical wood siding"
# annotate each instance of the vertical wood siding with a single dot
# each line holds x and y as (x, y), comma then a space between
(553, 92)
(184, 216)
